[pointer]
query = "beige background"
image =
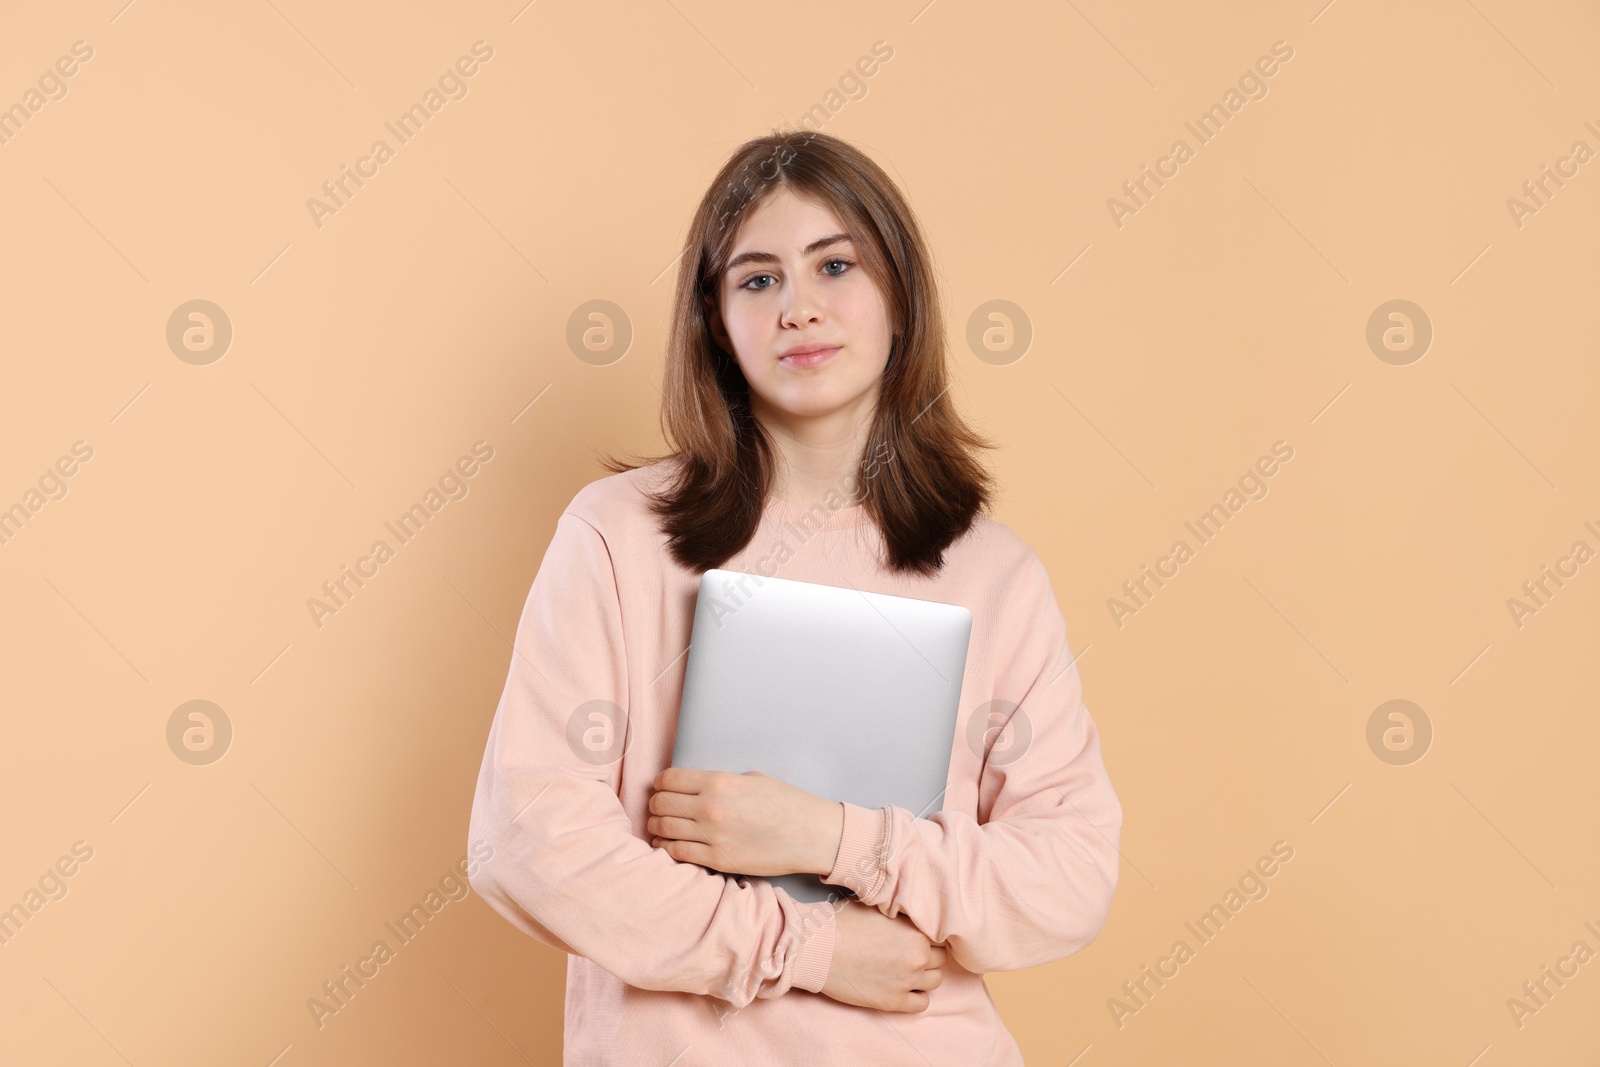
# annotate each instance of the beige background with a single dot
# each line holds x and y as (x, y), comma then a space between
(1167, 354)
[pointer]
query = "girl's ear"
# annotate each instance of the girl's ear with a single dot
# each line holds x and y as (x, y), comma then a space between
(718, 330)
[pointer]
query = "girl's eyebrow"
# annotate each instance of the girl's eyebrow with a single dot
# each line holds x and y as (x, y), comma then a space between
(767, 257)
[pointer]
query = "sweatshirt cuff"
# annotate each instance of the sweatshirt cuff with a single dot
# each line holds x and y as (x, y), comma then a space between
(859, 864)
(815, 958)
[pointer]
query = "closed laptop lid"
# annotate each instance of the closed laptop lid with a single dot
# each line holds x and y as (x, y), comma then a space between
(847, 694)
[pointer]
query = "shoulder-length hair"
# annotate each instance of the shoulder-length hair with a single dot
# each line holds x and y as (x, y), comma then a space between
(923, 485)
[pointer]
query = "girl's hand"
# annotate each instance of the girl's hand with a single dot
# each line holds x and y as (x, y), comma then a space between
(749, 823)
(882, 963)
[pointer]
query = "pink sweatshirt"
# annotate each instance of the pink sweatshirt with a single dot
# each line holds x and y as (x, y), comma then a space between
(671, 963)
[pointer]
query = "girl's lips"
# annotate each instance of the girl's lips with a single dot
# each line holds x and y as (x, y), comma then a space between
(808, 359)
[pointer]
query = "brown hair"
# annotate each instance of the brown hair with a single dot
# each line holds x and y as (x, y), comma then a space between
(923, 483)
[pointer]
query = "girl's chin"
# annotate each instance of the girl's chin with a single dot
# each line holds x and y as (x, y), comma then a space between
(808, 400)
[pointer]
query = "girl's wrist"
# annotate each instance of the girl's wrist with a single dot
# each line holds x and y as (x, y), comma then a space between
(830, 824)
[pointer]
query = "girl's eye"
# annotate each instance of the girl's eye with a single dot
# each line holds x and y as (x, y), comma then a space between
(750, 284)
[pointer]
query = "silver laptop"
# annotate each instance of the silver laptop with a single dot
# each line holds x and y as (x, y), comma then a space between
(849, 695)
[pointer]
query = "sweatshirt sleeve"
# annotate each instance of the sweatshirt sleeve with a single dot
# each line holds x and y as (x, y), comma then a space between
(568, 867)
(1029, 880)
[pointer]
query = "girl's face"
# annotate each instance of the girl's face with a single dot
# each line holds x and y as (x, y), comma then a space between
(794, 281)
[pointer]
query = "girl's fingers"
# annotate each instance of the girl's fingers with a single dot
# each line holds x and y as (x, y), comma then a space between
(663, 802)
(669, 826)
